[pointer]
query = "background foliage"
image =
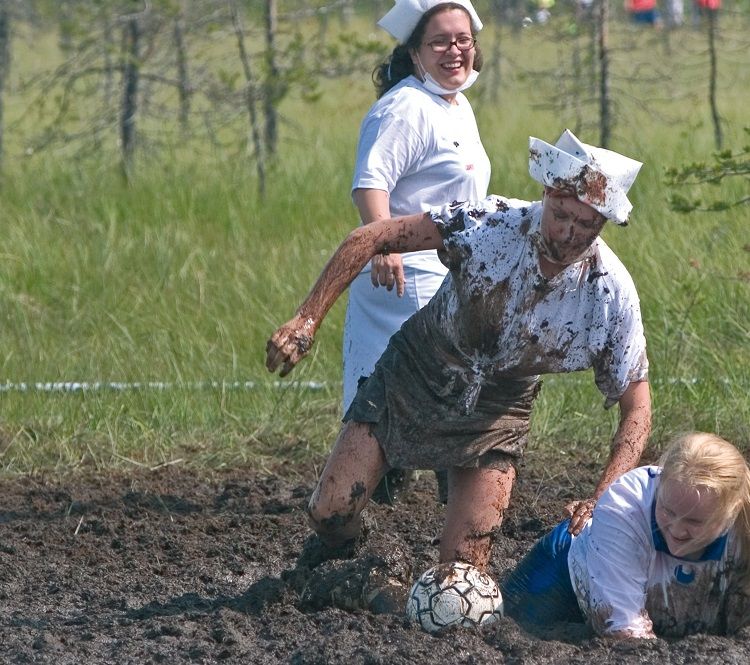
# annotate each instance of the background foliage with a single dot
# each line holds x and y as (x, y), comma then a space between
(178, 274)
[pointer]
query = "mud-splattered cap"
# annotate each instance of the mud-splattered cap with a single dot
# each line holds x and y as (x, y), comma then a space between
(598, 177)
(403, 17)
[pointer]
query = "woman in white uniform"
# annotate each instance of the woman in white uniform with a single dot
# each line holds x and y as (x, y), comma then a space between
(419, 147)
(667, 552)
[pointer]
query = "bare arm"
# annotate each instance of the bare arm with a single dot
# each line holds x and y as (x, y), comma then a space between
(372, 204)
(386, 269)
(627, 447)
(291, 342)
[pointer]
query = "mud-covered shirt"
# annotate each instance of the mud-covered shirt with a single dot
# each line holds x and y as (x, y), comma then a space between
(625, 578)
(497, 315)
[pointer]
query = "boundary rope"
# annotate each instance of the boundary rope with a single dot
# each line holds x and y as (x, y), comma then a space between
(124, 386)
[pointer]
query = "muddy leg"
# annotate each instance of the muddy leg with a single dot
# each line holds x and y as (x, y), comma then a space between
(476, 503)
(352, 472)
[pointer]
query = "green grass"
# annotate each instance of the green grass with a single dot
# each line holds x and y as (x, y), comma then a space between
(181, 276)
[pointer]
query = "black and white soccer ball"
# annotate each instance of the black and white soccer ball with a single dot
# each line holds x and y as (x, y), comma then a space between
(454, 594)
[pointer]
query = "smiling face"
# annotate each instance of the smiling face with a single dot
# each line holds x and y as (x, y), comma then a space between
(568, 226)
(450, 69)
(688, 518)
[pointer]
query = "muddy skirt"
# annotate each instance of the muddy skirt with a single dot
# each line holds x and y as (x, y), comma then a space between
(413, 402)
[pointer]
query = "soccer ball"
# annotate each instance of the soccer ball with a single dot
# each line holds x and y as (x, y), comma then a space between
(454, 594)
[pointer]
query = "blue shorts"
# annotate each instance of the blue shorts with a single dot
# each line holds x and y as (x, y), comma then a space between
(649, 16)
(539, 591)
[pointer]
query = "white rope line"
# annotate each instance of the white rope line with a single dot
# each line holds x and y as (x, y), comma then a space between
(124, 386)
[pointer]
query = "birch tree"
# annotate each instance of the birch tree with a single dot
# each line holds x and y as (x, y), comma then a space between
(4, 66)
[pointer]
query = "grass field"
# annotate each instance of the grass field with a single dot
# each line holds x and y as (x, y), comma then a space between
(181, 276)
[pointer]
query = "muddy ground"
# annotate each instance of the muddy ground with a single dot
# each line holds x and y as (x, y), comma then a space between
(174, 566)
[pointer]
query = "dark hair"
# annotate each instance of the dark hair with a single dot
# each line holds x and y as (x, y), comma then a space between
(398, 65)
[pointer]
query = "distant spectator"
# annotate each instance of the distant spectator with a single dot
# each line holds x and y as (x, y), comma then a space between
(643, 12)
(675, 14)
(584, 8)
(705, 9)
(542, 11)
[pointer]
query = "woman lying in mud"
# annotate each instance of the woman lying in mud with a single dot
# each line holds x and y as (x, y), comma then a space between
(666, 553)
(532, 289)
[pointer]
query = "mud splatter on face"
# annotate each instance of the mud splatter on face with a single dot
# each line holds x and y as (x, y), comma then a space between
(569, 228)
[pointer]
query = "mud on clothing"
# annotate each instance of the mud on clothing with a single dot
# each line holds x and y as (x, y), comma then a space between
(458, 380)
(619, 572)
(413, 405)
(422, 151)
(538, 591)
(626, 579)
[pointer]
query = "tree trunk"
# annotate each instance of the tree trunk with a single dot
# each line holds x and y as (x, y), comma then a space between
(715, 118)
(108, 49)
(66, 24)
(272, 82)
(592, 27)
(250, 99)
(605, 113)
(182, 69)
(496, 80)
(4, 66)
(576, 65)
(347, 12)
(131, 39)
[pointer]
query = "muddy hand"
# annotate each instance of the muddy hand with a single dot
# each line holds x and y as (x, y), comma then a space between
(388, 271)
(289, 344)
(579, 512)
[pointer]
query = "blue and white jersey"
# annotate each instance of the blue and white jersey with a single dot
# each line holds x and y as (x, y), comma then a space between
(625, 578)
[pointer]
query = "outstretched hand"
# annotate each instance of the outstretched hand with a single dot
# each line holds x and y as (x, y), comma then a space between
(289, 344)
(579, 512)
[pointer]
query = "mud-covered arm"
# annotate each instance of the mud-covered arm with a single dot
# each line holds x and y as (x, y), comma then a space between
(291, 342)
(627, 446)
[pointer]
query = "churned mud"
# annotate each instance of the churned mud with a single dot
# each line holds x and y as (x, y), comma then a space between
(175, 566)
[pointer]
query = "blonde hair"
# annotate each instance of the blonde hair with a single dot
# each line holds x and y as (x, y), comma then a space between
(699, 459)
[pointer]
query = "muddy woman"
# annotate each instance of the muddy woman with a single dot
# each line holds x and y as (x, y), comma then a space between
(667, 552)
(531, 289)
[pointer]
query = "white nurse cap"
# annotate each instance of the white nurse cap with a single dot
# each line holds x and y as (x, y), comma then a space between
(403, 17)
(599, 178)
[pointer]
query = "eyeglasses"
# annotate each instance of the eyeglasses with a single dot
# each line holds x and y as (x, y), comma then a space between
(441, 44)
